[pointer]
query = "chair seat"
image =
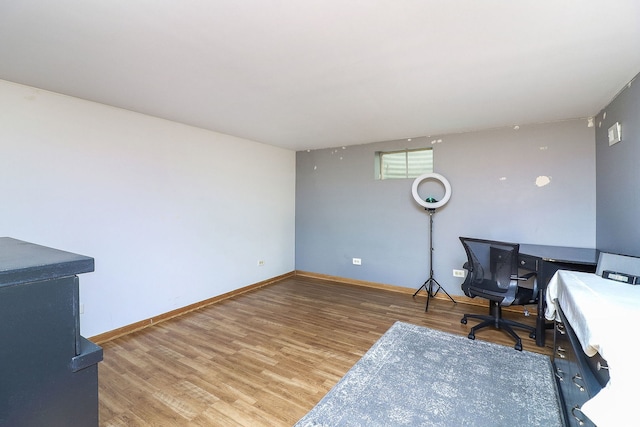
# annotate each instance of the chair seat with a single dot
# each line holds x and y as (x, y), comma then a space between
(489, 289)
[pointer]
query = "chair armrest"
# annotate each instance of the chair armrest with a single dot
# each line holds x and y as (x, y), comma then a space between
(524, 277)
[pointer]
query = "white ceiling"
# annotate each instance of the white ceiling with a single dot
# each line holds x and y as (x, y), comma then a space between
(304, 74)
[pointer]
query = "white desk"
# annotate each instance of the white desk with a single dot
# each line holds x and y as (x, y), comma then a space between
(604, 315)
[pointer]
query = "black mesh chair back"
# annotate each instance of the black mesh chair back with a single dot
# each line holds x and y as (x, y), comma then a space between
(491, 266)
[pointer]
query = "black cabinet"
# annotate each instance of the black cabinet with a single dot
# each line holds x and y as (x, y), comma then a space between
(49, 373)
(578, 376)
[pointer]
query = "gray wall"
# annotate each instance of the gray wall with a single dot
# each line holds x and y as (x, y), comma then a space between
(618, 175)
(342, 212)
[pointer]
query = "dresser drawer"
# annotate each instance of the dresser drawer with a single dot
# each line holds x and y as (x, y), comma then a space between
(599, 368)
(528, 262)
(569, 378)
(562, 349)
(573, 393)
(577, 375)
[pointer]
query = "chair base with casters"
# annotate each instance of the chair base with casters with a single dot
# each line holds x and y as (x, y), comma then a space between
(495, 319)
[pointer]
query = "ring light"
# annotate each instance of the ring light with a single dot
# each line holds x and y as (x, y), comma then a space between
(437, 177)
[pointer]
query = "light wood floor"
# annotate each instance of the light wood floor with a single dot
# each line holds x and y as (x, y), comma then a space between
(263, 358)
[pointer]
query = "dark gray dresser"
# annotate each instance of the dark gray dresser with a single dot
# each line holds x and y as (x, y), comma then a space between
(594, 318)
(49, 373)
(579, 377)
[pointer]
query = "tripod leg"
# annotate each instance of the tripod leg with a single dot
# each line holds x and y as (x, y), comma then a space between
(424, 285)
(443, 290)
(429, 291)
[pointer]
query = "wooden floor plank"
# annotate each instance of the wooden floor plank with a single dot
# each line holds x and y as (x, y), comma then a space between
(265, 357)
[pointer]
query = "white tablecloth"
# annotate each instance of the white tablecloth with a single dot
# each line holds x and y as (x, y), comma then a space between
(604, 315)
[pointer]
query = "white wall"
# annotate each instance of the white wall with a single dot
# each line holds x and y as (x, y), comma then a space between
(172, 214)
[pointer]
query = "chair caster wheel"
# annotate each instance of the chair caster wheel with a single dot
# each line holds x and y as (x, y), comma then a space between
(532, 335)
(518, 346)
(472, 336)
(463, 320)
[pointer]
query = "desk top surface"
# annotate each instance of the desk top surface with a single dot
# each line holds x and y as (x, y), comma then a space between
(564, 254)
(22, 262)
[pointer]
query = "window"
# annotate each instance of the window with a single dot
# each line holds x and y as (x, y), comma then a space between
(403, 163)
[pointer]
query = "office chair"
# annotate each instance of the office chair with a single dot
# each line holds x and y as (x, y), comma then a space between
(492, 273)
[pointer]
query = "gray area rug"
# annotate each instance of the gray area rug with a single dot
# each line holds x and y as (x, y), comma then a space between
(416, 376)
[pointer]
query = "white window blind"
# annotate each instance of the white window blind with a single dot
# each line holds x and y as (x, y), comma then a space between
(404, 163)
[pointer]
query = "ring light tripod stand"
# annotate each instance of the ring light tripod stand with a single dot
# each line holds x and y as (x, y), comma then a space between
(430, 205)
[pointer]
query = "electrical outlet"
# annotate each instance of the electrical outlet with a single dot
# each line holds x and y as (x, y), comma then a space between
(357, 261)
(458, 273)
(261, 263)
